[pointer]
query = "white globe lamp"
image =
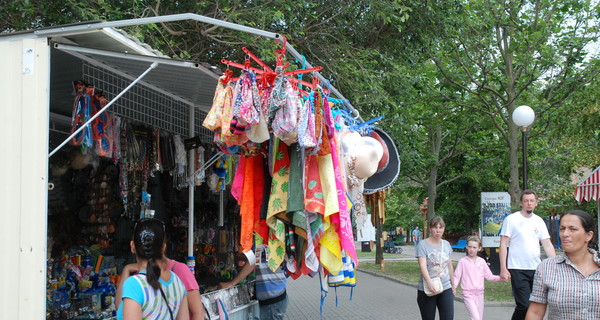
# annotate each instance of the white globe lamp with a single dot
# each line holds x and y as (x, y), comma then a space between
(523, 116)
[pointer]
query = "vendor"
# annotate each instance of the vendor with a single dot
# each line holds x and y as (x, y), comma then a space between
(247, 262)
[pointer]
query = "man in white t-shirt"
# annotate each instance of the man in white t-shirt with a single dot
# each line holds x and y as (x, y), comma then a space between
(523, 231)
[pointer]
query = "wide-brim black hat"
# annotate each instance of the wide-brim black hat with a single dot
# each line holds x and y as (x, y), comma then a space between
(386, 177)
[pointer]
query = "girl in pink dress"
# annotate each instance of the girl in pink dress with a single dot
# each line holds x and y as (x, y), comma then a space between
(470, 273)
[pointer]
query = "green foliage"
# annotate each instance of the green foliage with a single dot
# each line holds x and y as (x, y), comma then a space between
(401, 209)
(446, 75)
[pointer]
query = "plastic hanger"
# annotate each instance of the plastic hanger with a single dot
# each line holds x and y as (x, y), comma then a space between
(266, 73)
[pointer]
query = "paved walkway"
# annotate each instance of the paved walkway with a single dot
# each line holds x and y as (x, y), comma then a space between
(373, 298)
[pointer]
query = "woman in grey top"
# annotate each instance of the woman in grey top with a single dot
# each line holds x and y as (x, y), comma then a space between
(435, 261)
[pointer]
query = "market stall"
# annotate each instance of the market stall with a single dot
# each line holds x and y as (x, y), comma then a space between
(126, 141)
(128, 163)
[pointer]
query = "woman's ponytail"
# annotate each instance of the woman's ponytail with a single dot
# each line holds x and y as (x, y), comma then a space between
(148, 238)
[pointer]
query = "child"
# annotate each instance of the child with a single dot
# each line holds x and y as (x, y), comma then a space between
(470, 272)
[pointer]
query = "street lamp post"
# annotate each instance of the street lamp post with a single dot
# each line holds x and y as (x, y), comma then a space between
(523, 117)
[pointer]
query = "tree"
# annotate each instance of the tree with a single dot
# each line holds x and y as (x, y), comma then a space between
(508, 53)
(489, 57)
(437, 133)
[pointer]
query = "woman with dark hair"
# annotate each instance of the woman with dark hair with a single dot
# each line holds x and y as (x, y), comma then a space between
(154, 292)
(435, 290)
(568, 285)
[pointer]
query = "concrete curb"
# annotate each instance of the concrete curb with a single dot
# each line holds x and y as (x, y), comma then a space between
(460, 299)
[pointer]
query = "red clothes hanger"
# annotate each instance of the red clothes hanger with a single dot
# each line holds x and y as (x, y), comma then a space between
(266, 73)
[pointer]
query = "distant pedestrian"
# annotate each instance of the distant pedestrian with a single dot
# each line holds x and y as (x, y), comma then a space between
(523, 231)
(568, 285)
(417, 236)
(470, 273)
(437, 274)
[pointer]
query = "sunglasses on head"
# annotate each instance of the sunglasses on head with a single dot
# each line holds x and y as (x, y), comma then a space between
(150, 219)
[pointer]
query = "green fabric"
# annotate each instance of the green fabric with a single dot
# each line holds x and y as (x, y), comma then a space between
(296, 189)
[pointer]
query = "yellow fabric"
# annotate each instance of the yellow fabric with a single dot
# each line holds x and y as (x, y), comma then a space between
(328, 184)
(330, 248)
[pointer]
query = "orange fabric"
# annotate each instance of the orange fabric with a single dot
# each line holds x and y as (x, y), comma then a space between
(313, 199)
(252, 195)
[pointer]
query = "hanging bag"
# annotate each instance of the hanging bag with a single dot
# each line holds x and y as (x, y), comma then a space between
(285, 122)
(259, 132)
(437, 284)
(306, 126)
(249, 102)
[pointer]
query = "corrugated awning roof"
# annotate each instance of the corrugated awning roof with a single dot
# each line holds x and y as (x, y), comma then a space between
(589, 188)
(190, 81)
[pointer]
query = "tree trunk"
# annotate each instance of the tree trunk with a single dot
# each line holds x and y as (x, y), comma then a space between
(432, 191)
(436, 145)
(514, 188)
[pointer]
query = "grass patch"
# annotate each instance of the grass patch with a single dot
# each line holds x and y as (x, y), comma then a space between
(404, 270)
(371, 254)
(409, 271)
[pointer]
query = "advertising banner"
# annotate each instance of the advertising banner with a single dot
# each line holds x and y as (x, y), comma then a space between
(495, 206)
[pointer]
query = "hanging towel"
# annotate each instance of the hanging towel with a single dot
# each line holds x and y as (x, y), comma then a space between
(345, 222)
(327, 176)
(330, 249)
(238, 180)
(313, 199)
(251, 200)
(296, 189)
(278, 203)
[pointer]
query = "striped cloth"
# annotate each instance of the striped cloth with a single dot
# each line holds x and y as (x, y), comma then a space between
(153, 305)
(268, 284)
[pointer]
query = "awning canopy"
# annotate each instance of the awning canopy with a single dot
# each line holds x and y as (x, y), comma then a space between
(589, 188)
(187, 81)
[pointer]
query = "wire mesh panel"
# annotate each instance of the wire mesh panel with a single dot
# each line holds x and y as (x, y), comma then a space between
(145, 104)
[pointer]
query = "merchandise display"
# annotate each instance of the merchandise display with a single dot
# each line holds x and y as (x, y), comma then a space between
(287, 164)
(130, 171)
(314, 179)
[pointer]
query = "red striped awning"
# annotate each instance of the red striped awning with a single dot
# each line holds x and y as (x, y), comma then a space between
(589, 189)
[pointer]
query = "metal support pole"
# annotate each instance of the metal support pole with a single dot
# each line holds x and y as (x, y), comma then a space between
(152, 66)
(221, 221)
(524, 140)
(191, 184)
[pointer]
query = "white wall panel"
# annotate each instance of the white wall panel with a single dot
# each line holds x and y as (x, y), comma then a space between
(24, 92)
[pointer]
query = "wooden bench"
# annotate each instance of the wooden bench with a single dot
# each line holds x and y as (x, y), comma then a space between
(461, 246)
